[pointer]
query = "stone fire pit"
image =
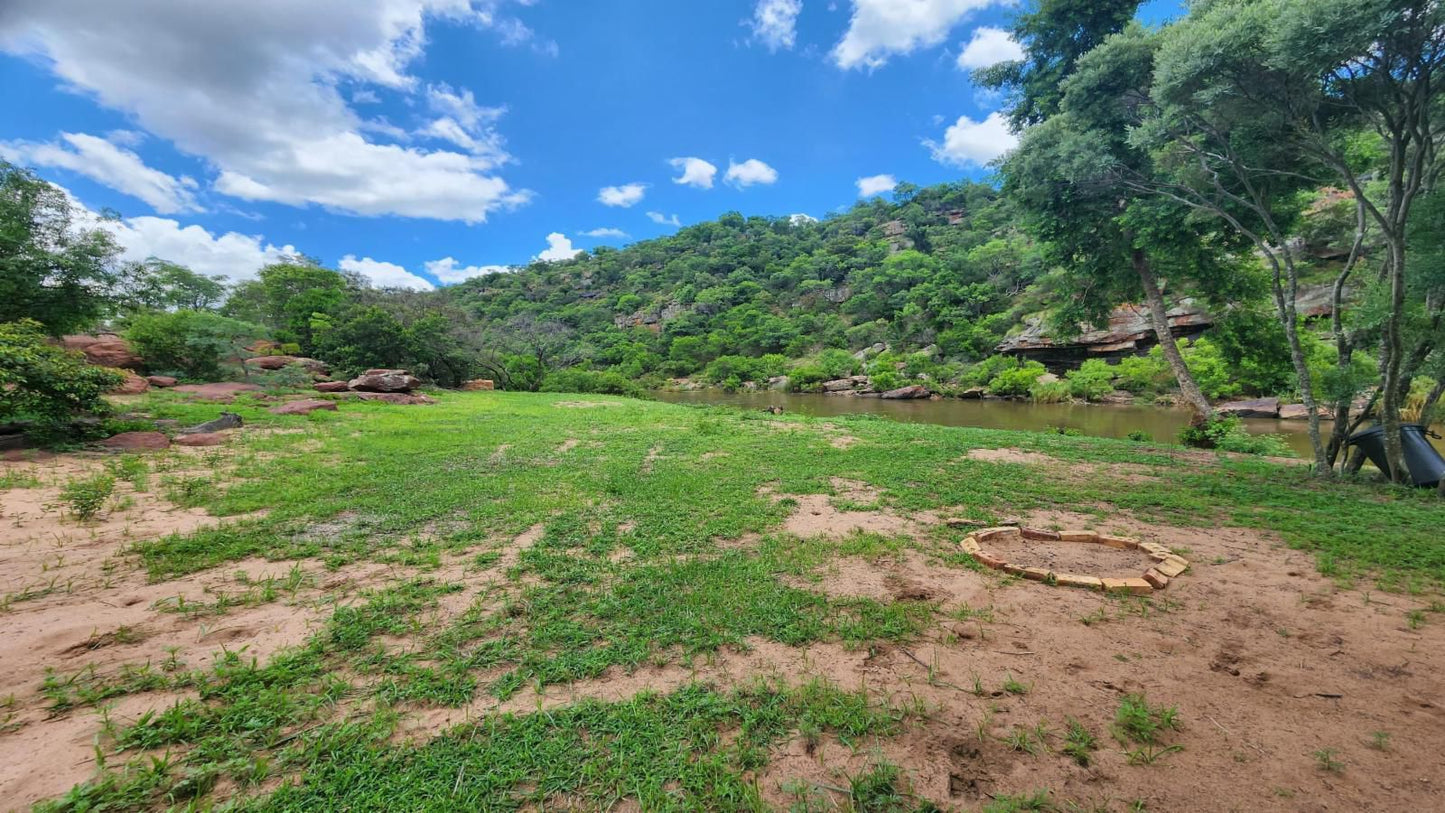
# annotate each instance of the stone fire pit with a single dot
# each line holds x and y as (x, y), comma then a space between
(1166, 565)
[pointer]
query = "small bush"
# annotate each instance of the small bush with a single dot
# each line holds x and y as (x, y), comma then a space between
(87, 496)
(583, 381)
(1050, 392)
(1018, 380)
(1227, 434)
(48, 387)
(290, 377)
(1140, 436)
(1092, 381)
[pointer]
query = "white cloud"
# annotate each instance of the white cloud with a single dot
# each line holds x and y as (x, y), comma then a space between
(989, 47)
(663, 220)
(384, 274)
(881, 28)
(624, 196)
(448, 271)
(749, 172)
(800, 219)
(974, 143)
(255, 89)
(875, 185)
(775, 23)
(104, 162)
(695, 172)
(607, 231)
(558, 248)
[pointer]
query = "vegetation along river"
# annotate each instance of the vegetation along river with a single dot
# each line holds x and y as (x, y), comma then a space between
(1161, 423)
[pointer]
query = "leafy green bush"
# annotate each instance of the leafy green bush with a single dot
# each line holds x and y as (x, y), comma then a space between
(1018, 380)
(1092, 381)
(1050, 392)
(806, 377)
(1227, 434)
(838, 363)
(1140, 436)
(578, 380)
(1207, 364)
(886, 380)
(47, 386)
(290, 377)
(87, 496)
(1143, 375)
(983, 372)
(191, 343)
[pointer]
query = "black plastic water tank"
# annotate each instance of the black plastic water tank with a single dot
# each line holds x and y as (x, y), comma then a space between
(1425, 464)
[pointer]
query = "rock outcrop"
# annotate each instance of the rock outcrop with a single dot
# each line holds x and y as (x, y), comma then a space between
(331, 386)
(132, 385)
(914, 391)
(1255, 408)
(161, 381)
(384, 381)
(227, 420)
(104, 350)
(277, 362)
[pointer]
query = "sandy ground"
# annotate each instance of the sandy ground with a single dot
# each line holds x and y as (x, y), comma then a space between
(1267, 662)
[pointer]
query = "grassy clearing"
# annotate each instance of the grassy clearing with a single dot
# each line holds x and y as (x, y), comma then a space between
(636, 562)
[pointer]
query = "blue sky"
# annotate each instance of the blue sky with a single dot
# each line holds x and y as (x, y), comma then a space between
(421, 142)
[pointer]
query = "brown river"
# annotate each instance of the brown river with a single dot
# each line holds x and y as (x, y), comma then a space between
(1162, 424)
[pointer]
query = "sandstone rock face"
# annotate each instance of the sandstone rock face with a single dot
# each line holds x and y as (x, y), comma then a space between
(228, 420)
(478, 385)
(384, 381)
(306, 406)
(161, 381)
(404, 398)
(202, 439)
(331, 386)
(1257, 408)
(132, 385)
(137, 441)
(906, 393)
(104, 350)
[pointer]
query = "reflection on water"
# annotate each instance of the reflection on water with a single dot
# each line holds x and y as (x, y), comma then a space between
(1162, 424)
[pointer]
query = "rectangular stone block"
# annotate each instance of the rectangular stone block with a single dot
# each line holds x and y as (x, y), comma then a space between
(1172, 566)
(1039, 534)
(970, 545)
(1154, 549)
(1037, 574)
(1012, 570)
(996, 533)
(1085, 582)
(1136, 587)
(1156, 579)
(989, 560)
(1078, 536)
(1122, 543)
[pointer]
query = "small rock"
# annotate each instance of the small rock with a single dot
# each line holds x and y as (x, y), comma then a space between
(331, 386)
(161, 381)
(306, 406)
(478, 385)
(227, 420)
(202, 439)
(384, 381)
(137, 441)
(132, 385)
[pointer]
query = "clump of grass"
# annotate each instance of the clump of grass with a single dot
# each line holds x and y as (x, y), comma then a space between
(1020, 803)
(18, 479)
(131, 468)
(1328, 760)
(1141, 725)
(86, 496)
(1079, 743)
(1013, 686)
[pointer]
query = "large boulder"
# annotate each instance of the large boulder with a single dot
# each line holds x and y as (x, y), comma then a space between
(137, 441)
(228, 420)
(478, 384)
(277, 362)
(405, 398)
(305, 406)
(161, 381)
(1256, 408)
(384, 381)
(132, 385)
(330, 386)
(907, 393)
(104, 350)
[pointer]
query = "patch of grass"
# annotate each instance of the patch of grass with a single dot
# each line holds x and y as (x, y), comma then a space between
(1327, 759)
(1021, 803)
(1013, 686)
(85, 497)
(1079, 743)
(18, 479)
(1380, 740)
(1140, 727)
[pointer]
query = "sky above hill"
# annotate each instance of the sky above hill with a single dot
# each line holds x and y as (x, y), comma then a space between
(422, 142)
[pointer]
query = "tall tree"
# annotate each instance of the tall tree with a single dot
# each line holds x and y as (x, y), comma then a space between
(51, 269)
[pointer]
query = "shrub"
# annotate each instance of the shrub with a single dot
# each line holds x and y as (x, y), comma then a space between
(1018, 380)
(1092, 381)
(1227, 434)
(578, 380)
(290, 377)
(806, 377)
(191, 343)
(983, 372)
(838, 363)
(886, 380)
(1207, 364)
(47, 386)
(1050, 392)
(1140, 436)
(1142, 374)
(87, 496)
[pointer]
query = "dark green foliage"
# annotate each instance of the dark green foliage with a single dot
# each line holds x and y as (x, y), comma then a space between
(47, 386)
(192, 344)
(51, 271)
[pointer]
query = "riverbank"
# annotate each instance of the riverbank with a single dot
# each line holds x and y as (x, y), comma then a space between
(527, 600)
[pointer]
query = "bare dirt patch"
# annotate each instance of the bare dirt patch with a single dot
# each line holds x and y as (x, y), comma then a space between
(1012, 456)
(1070, 557)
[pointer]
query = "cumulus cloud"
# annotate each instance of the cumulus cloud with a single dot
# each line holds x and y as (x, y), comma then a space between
(879, 29)
(989, 47)
(974, 143)
(624, 196)
(775, 23)
(801, 219)
(695, 172)
(663, 220)
(875, 185)
(255, 89)
(558, 248)
(108, 162)
(449, 272)
(749, 172)
(384, 274)
(606, 231)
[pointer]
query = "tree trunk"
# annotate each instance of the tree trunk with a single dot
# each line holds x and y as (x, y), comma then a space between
(1391, 386)
(1159, 317)
(1284, 301)
(1344, 343)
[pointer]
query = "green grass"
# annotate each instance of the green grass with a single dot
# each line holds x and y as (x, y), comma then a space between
(635, 567)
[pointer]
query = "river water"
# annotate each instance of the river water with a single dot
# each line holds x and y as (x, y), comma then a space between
(1162, 423)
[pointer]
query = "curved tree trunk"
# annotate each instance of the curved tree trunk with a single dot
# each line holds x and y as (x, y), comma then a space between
(1392, 385)
(1159, 317)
